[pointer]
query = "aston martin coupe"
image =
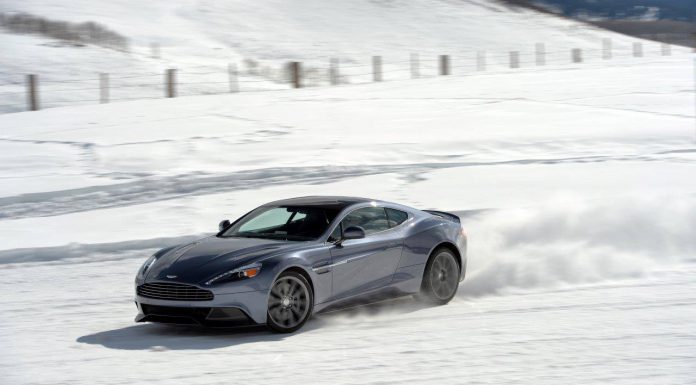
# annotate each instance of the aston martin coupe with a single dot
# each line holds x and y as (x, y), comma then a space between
(285, 260)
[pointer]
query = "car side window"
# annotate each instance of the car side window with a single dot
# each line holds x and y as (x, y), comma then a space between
(371, 219)
(396, 217)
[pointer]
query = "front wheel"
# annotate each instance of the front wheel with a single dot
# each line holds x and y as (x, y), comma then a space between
(441, 278)
(290, 303)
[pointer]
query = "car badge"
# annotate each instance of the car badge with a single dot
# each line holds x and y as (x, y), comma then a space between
(171, 276)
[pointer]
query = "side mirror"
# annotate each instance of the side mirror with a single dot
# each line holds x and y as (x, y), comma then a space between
(353, 232)
(224, 224)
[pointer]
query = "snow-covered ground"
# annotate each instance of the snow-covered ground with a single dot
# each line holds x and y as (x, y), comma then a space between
(575, 184)
(70, 324)
(489, 141)
(576, 188)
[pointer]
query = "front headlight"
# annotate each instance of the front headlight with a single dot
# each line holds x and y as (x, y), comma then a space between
(146, 266)
(244, 272)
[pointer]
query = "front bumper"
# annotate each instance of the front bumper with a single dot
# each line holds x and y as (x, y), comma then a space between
(225, 309)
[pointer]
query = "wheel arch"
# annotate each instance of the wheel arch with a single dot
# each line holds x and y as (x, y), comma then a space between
(451, 247)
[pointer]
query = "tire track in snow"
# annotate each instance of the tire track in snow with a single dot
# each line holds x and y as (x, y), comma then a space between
(148, 190)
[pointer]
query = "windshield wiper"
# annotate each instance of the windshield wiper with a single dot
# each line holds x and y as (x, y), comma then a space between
(282, 237)
(254, 235)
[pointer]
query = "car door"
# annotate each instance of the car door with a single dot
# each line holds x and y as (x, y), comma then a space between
(361, 265)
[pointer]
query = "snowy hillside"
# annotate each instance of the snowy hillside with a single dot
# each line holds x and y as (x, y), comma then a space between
(201, 37)
(315, 29)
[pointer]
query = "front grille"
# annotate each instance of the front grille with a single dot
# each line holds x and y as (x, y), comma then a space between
(174, 292)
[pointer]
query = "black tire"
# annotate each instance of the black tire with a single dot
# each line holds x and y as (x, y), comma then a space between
(441, 278)
(290, 303)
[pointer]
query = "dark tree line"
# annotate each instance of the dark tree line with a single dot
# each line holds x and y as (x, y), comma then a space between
(679, 10)
(79, 33)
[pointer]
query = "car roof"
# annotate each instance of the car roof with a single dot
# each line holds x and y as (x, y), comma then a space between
(338, 202)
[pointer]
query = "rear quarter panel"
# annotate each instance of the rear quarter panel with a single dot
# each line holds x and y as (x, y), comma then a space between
(424, 235)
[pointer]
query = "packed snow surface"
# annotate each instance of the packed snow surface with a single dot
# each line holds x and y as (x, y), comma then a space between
(575, 186)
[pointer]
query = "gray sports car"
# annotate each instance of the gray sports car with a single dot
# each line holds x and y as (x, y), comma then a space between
(284, 261)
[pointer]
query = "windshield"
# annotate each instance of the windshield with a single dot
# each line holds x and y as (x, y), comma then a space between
(293, 223)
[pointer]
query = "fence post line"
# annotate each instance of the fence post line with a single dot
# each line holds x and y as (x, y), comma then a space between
(540, 54)
(295, 74)
(103, 88)
(694, 92)
(32, 93)
(333, 72)
(666, 49)
(377, 68)
(444, 65)
(155, 50)
(415, 66)
(576, 55)
(170, 82)
(232, 77)
(481, 61)
(514, 59)
(606, 49)
(637, 49)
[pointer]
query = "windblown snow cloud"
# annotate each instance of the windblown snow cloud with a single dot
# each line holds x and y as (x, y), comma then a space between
(570, 242)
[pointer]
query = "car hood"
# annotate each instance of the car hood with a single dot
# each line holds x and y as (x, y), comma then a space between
(198, 261)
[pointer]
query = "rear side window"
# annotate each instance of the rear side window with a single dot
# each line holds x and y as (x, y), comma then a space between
(396, 217)
(371, 219)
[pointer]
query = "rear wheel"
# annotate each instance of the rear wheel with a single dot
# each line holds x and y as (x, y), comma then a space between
(290, 303)
(441, 278)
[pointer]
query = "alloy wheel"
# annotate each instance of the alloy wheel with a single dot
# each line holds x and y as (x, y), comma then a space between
(289, 302)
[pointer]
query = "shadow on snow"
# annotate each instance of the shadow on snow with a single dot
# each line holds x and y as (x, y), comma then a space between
(162, 337)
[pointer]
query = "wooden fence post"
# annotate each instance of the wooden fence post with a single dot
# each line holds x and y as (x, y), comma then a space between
(295, 74)
(333, 72)
(171, 83)
(606, 49)
(155, 50)
(666, 49)
(32, 93)
(377, 68)
(514, 59)
(540, 54)
(576, 55)
(695, 86)
(232, 77)
(637, 49)
(103, 88)
(415, 66)
(444, 65)
(481, 61)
